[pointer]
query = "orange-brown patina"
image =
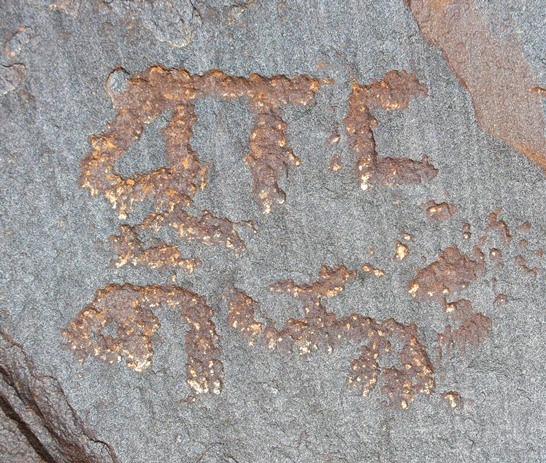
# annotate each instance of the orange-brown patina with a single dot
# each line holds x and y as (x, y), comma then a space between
(320, 328)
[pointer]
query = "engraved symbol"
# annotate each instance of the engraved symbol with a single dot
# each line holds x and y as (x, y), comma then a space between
(128, 309)
(121, 321)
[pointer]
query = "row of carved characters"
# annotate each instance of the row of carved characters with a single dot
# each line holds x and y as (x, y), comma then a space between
(120, 324)
(320, 328)
(159, 90)
(172, 188)
(126, 313)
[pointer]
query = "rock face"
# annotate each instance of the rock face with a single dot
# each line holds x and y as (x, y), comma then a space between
(14, 445)
(493, 68)
(330, 195)
(37, 406)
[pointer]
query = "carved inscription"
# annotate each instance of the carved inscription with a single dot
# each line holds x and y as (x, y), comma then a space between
(172, 187)
(127, 309)
(122, 320)
(319, 327)
(120, 323)
(393, 92)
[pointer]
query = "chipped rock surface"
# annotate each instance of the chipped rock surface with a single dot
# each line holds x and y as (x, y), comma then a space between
(271, 231)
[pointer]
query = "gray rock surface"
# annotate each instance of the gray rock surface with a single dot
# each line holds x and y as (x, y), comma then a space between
(275, 406)
(14, 446)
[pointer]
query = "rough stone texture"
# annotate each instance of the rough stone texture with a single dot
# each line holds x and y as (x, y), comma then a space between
(63, 66)
(506, 99)
(38, 405)
(14, 446)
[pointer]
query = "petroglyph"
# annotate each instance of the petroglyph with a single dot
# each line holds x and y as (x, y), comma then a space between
(525, 226)
(172, 188)
(495, 255)
(453, 399)
(524, 267)
(140, 101)
(494, 223)
(467, 234)
(370, 268)
(159, 90)
(442, 280)
(321, 328)
(507, 235)
(438, 211)
(452, 272)
(401, 251)
(472, 326)
(500, 300)
(393, 92)
(130, 249)
(120, 324)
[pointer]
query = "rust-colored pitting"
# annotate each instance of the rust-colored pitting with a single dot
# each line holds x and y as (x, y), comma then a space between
(453, 399)
(493, 69)
(241, 315)
(269, 155)
(453, 271)
(500, 300)
(128, 310)
(401, 251)
(319, 327)
(334, 138)
(438, 211)
(393, 92)
(472, 327)
(370, 268)
(495, 255)
(524, 267)
(131, 250)
(172, 188)
(466, 231)
(407, 236)
(206, 228)
(493, 222)
(335, 163)
(525, 226)
(449, 274)
(416, 374)
(331, 281)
